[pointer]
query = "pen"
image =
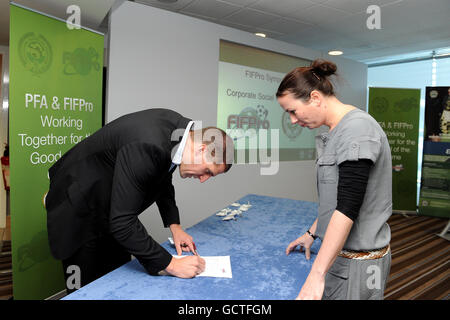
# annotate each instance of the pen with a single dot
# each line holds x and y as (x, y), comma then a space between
(195, 249)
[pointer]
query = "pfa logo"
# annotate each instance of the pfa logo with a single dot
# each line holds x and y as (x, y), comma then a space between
(35, 53)
(380, 104)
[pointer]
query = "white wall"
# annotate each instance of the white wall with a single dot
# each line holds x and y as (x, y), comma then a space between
(164, 59)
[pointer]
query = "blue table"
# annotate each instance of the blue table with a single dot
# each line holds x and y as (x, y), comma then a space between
(256, 244)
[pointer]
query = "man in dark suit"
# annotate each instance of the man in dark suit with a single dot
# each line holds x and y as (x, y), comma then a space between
(100, 186)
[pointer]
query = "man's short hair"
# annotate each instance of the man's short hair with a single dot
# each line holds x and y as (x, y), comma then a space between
(220, 146)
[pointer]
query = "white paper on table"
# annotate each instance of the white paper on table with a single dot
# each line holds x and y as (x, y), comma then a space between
(217, 267)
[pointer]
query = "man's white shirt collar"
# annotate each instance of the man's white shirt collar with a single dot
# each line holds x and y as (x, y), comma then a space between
(179, 154)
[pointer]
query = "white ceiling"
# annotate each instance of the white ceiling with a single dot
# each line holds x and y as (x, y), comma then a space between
(406, 25)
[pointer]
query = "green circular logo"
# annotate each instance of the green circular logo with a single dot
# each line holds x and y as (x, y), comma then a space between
(292, 131)
(35, 53)
(380, 104)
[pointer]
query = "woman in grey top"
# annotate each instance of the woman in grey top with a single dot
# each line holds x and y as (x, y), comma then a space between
(354, 182)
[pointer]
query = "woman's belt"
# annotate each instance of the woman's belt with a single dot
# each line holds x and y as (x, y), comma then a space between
(365, 255)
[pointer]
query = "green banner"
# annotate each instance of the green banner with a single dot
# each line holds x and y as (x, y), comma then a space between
(55, 102)
(435, 182)
(397, 112)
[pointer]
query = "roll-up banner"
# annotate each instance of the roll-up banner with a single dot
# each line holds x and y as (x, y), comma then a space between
(55, 102)
(397, 111)
(434, 197)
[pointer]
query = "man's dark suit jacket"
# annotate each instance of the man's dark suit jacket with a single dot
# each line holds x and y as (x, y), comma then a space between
(102, 184)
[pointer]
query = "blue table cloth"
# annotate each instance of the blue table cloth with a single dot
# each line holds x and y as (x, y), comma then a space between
(256, 244)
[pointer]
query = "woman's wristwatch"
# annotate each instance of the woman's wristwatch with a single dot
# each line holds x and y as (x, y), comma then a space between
(313, 236)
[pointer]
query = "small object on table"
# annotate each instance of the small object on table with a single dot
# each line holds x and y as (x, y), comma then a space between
(229, 217)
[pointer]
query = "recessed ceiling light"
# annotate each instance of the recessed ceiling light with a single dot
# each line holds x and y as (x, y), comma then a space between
(335, 53)
(259, 34)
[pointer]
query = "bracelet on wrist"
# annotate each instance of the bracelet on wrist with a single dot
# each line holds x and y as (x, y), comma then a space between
(313, 236)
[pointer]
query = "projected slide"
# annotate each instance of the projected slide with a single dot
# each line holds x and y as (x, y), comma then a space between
(248, 109)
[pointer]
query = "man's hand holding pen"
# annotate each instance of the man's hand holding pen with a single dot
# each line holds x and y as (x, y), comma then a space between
(189, 266)
(186, 267)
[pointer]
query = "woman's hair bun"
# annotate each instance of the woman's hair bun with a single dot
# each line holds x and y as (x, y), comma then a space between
(323, 67)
